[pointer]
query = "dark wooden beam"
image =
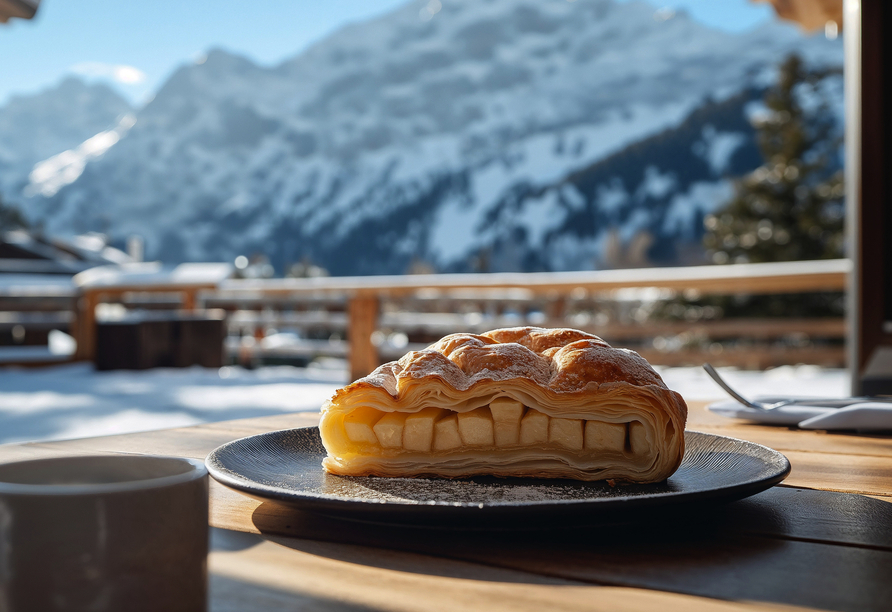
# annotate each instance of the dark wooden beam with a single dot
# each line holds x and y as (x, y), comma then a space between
(23, 9)
(870, 189)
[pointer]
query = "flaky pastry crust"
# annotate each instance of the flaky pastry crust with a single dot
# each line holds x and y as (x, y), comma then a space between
(563, 373)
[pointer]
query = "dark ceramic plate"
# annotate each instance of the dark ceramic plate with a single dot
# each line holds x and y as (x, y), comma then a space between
(285, 467)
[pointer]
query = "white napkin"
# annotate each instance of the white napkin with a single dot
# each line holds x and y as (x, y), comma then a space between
(867, 416)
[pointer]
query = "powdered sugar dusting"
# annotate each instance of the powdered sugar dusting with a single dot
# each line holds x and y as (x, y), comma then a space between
(485, 491)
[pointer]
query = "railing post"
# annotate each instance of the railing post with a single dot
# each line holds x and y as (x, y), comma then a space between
(363, 315)
(557, 306)
(86, 326)
(189, 298)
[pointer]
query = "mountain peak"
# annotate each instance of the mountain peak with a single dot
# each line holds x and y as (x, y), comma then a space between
(218, 58)
(37, 126)
(67, 86)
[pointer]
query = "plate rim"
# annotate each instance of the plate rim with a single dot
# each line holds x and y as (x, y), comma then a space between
(319, 501)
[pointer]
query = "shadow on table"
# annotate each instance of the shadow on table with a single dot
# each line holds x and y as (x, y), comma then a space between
(224, 540)
(228, 593)
(231, 595)
(829, 551)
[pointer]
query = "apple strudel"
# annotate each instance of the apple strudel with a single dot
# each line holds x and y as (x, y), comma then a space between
(531, 402)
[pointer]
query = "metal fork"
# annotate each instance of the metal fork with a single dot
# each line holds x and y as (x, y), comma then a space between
(840, 402)
(757, 405)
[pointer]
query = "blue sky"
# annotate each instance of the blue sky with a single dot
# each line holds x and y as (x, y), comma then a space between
(136, 45)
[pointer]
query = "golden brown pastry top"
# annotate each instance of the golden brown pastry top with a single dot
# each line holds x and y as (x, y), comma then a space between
(563, 361)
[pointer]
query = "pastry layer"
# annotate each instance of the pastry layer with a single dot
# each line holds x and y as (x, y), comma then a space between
(518, 402)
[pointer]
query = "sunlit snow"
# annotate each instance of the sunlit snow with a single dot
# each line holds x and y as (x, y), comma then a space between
(76, 401)
(50, 175)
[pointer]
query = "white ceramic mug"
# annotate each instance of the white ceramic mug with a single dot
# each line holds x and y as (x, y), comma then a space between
(112, 532)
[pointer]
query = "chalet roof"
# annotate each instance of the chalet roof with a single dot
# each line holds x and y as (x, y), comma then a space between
(26, 252)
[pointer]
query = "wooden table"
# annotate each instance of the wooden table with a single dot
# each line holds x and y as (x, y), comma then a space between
(822, 540)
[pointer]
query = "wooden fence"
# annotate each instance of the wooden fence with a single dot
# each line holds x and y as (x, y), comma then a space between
(356, 303)
(29, 310)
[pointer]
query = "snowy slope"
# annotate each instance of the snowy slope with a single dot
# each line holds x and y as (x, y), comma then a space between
(36, 127)
(409, 137)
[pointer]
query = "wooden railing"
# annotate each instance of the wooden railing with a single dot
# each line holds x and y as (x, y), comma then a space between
(84, 328)
(363, 296)
(34, 308)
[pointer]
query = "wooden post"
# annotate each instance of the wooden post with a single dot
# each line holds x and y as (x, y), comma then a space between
(363, 313)
(557, 306)
(189, 298)
(86, 326)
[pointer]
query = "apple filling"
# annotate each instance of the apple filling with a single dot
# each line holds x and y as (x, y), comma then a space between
(503, 423)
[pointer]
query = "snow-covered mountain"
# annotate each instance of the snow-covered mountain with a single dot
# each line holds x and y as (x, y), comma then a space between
(472, 134)
(36, 127)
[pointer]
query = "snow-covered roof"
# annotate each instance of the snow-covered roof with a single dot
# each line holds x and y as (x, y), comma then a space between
(26, 252)
(154, 273)
(36, 285)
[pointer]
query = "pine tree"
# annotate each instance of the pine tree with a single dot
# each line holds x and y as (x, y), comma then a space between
(11, 218)
(791, 207)
(788, 209)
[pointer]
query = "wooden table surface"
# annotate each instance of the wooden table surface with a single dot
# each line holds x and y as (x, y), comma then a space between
(821, 540)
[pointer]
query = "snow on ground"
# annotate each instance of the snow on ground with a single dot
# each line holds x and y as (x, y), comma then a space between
(74, 401)
(694, 384)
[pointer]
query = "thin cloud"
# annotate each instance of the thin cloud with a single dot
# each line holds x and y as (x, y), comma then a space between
(127, 75)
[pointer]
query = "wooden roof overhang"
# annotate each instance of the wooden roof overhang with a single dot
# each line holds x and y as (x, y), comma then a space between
(812, 15)
(23, 9)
